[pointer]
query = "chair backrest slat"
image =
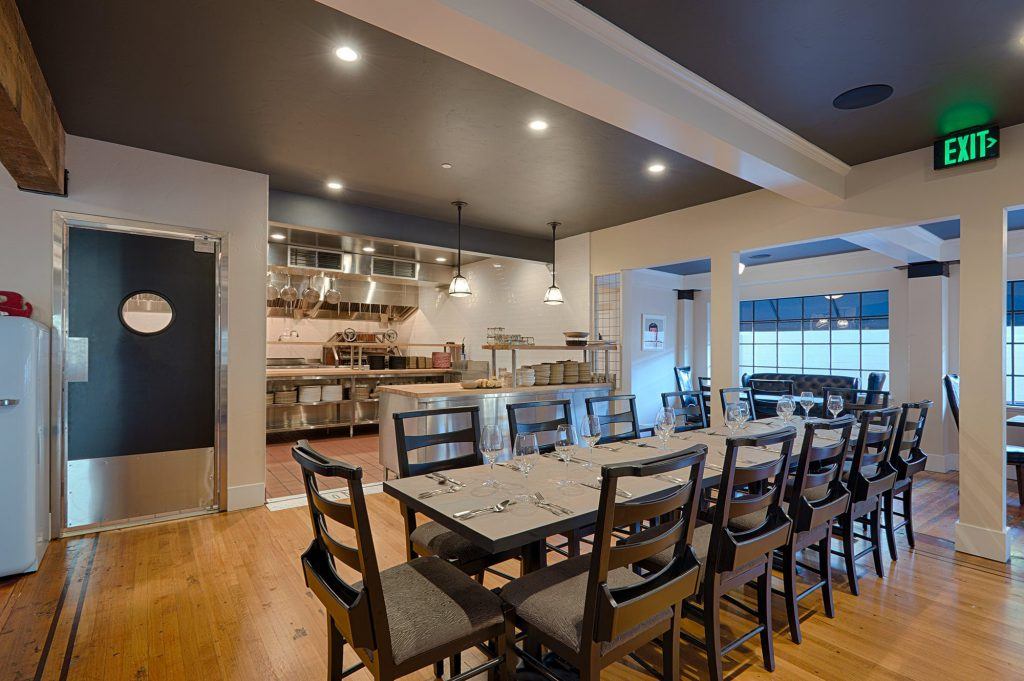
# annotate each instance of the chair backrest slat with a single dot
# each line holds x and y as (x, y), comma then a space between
(407, 444)
(734, 395)
(609, 611)
(820, 465)
(856, 400)
(688, 407)
(871, 471)
(517, 411)
(909, 435)
(612, 417)
(952, 383)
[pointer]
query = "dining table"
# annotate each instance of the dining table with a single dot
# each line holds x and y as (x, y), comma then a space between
(522, 511)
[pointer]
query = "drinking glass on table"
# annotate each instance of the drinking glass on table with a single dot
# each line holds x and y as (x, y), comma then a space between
(492, 443)
(835, 405)
(807, 401)
(590, 431)
(526, 453)
(733, 420)
(664, 424)
(785, 407)
(744, 413)
(565, 447)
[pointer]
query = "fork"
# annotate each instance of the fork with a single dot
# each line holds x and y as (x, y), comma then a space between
(497, 508)
(619, 492)
(444, 478)
(433, 493)
(541, 500)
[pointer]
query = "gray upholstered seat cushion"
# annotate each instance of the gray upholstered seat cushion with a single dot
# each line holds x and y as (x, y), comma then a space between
(438, 541)
(430, 603)
(552, 601)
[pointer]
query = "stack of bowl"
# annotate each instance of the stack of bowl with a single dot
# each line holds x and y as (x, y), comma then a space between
(526, 377)
(543, 372)
(571, 372)
(333, 393)
(285, 397)
(557, 373)
(309, 394)
(575, 337)
(585, 374)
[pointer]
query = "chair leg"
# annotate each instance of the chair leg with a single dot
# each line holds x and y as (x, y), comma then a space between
(455, 665)
(764, 609)
(574, 543)
(789, 583)
(510, 654)
(439, 669)
(825, 572)
(851, 567)
(1020, 484)
(876, 539)
(713, 630)
(888, 502)
(670, 648)
(908, 512)
(335, 651)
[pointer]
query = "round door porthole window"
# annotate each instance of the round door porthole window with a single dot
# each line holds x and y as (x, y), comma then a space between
(146, 313)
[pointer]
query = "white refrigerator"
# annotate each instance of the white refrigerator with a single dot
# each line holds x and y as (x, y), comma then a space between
(24, 444)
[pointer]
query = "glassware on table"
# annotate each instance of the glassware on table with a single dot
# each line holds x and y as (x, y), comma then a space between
(733, 420)
(835, 405)
(590, 431)
(664, 424)
(807, 401)
(744, 413)
(492, 443)
(565, 447)
(786, 407)
(526, 451)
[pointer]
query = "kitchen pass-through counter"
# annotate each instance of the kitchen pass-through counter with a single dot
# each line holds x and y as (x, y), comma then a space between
(395, 399)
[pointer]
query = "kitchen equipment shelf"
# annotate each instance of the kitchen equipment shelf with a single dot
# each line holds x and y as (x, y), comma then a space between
(589, 354)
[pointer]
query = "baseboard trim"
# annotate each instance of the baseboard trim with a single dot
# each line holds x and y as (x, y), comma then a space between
(337, 494)
(246, 496)
(981, 541)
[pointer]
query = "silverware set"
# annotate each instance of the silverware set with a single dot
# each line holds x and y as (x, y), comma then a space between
(619, 492)
(496, 508)
(453, 486)
(539, 500)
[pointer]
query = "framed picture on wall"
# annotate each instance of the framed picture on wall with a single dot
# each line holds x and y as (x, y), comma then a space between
(653, 332)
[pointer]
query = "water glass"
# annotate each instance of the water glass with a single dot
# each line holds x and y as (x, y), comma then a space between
(785, 407)
(835, 405)
(565, 446)
(807, 401)
(492, 443)
(590, 431)
(733, 420)
(526, 453)
(664, 424)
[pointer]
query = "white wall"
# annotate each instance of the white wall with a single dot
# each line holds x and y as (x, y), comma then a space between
(647, 374)
(120, 182)
(510, 296)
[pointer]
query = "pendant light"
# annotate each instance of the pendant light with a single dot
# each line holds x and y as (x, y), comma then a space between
(459, 288)
(554, 294)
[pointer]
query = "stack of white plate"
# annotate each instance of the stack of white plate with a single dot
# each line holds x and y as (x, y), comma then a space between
(362, 392)
(333, 393)
(309, 394)
(585, 374)
(526, 377)
(270, 398)
(543, 374)
(285, 397)
(557, 374)
(571, 372)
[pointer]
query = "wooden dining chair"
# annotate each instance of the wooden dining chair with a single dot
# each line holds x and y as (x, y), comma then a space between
(610, 418)
(734, 395)
(870, 476)
(856, 400)
(684, 378)
(594, 610)
(815, 497)
(396, 620)
(517, 413)
(1014, 453)
(688, 406)
(908, 459)
(704, 386)
(431, 538)
(771, 387)
(749, 523)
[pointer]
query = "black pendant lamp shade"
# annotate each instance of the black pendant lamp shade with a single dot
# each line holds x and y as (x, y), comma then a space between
(459, 288)
(553, 296)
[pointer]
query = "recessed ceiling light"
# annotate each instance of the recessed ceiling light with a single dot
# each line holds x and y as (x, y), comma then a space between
(278, 236)
(440, 259)
(334, 186)
(346, 53)
(497, 265)
(368, 249)
(656, 168)
(538, 125)
(863, 96)
(446, 166)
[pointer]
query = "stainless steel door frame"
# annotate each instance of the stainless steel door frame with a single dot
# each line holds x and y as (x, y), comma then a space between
(62, 221)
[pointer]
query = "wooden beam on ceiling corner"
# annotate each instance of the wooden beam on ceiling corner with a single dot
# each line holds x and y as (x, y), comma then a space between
(31, 134)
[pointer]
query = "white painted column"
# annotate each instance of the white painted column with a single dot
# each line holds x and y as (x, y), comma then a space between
(927, 360)
(724, 328)
(701, 334)
(981, 529)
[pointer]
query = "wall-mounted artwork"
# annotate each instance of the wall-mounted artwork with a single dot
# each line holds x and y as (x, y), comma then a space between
(653, 331)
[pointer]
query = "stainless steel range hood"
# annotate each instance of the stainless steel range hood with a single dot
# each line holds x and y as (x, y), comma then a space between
(373, 288)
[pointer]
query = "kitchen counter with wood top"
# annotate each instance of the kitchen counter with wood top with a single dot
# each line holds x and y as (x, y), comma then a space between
(312, 372)
(491, 402)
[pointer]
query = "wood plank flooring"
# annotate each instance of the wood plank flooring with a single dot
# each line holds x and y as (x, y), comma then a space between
(222, 597)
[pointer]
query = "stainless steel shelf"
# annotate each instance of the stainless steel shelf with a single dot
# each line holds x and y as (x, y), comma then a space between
(308, 404)
(312, 426)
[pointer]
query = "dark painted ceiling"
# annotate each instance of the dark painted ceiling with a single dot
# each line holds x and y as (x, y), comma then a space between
(254, 84)
(952, 63)
(811, 249)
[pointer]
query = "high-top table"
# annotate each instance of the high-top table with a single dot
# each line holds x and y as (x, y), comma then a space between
(527, 526)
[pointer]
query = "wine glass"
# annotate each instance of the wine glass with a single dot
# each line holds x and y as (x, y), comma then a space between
(590, 431)
(835, 405)
(732, 418)
(743, 413)
(785, 407)
(526, 451)
(664, 424)
(565, 446)
(492, 443)
(807, 401)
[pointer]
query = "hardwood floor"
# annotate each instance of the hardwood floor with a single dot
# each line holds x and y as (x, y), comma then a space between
(222, 597)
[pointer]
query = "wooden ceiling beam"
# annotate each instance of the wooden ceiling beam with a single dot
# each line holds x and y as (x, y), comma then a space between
(31, 134)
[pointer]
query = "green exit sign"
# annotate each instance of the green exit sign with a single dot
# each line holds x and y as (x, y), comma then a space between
(967, 146)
